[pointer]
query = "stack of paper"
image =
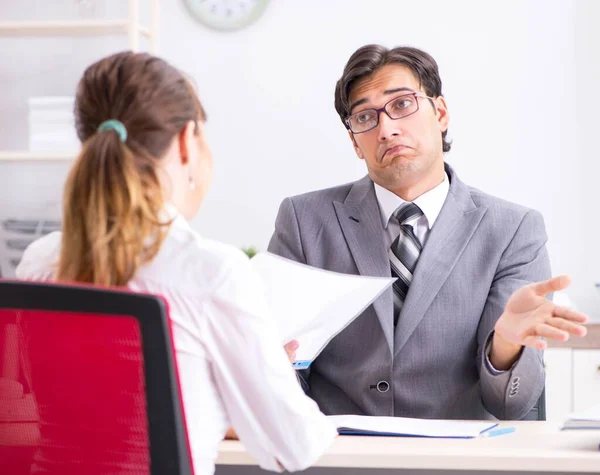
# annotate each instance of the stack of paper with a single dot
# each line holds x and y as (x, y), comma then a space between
(588, 419)
(408, 427)
(313, 305)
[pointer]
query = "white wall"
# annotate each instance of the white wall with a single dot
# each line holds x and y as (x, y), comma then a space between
(587, 247)
(513, 71)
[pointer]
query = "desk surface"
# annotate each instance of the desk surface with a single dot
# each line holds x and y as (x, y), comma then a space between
(534, 446)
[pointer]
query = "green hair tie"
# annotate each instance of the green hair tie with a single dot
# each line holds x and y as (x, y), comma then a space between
(115, 125)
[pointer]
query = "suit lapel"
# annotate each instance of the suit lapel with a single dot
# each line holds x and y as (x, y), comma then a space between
(456, 223)
(360, 221)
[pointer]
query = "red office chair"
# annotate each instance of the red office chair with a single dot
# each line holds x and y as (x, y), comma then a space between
(88, 383)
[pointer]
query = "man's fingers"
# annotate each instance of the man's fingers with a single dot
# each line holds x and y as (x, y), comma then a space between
(567, 313)
(548, 331)
(535, 342)
(551, 285)
(292, 346)
(290, 349)
(567, 326)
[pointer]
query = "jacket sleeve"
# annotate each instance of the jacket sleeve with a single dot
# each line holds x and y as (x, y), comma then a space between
(511, 394)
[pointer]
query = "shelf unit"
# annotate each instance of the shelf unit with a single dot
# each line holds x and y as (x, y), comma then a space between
(72, 28)
(18, 155)
(131, 27)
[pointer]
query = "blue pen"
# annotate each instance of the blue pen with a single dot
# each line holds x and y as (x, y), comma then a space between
(495, 432)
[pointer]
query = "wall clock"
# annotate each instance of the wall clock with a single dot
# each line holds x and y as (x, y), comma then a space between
(226, 15)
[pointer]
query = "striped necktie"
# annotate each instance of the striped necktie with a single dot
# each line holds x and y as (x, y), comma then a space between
(404, 253)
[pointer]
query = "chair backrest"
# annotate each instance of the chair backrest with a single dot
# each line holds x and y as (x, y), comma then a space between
(88, 383)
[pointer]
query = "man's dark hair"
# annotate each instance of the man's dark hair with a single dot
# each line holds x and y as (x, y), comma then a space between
(367, 60)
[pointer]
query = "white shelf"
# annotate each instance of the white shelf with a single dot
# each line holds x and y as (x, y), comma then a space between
(129, 27)
(26, 156)
(69, 28)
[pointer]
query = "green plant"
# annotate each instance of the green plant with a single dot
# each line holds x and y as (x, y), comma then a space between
(250, 251)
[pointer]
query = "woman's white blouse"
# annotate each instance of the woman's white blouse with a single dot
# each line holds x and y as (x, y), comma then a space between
(233, 368)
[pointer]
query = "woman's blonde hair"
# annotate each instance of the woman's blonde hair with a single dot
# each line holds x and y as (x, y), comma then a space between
(112, 202)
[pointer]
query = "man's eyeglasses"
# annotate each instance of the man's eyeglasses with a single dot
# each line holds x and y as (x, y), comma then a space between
(398, 108)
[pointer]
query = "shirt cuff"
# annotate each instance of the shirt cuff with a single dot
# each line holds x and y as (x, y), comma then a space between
(488, 363)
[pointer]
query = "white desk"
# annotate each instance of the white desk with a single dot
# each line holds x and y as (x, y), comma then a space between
(534, 447)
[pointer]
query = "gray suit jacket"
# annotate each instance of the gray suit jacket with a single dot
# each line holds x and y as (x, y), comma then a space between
(478, 252)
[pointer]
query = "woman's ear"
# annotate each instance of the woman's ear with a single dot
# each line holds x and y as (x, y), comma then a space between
(187, 138)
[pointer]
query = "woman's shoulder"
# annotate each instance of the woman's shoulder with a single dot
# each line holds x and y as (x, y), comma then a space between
(225, 254)
(40, 259)
(234, 283)
(199, 260)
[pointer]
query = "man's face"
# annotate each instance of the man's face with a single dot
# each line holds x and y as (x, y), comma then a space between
(405, 151)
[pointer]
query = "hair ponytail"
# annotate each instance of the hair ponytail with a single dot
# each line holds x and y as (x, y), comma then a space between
(111, 222)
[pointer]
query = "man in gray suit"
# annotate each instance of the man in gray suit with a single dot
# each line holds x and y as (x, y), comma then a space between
(448, 341)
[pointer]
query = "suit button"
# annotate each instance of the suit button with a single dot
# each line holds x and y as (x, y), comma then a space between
(383, 386)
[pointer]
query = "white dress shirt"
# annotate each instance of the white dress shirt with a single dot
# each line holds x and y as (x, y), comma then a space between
(233, 368)
(430, 203)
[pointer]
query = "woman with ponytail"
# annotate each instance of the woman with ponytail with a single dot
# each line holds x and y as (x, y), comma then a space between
(142, 174)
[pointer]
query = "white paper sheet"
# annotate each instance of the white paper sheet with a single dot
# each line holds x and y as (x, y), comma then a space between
(404, 426)
(312, 305)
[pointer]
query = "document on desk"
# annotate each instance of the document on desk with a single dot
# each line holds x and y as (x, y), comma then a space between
(588, 419)
(313, 305)
(409, 427)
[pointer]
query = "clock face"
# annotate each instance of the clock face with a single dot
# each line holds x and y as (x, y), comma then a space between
(226, 14)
